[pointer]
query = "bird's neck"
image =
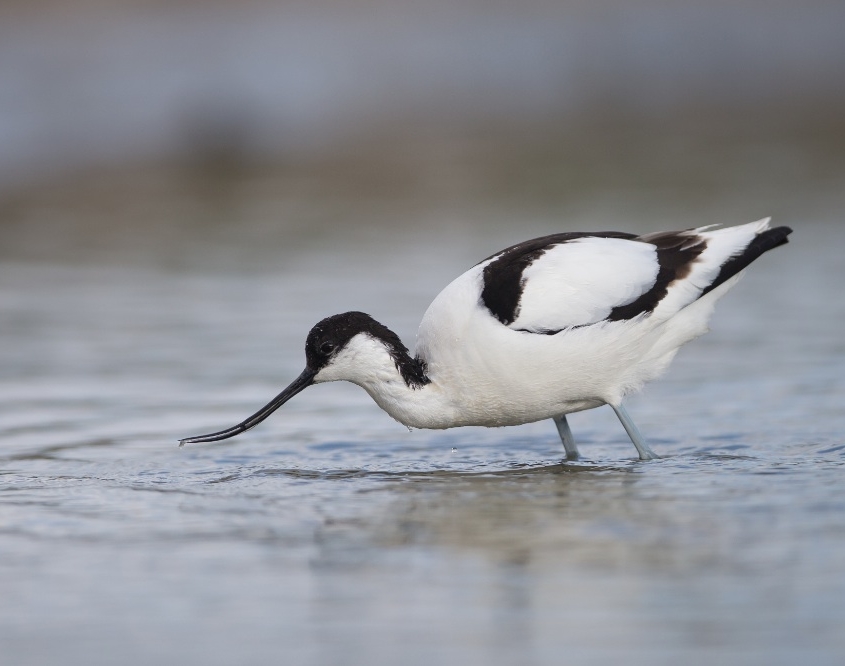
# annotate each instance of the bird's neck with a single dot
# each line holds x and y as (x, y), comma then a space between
(400, 384)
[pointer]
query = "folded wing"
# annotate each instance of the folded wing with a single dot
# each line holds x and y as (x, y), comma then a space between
(571, 280)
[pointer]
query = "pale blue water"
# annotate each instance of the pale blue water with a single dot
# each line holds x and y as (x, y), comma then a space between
(330, 534)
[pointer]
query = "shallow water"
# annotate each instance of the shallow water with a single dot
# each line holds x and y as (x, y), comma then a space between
(331, 534)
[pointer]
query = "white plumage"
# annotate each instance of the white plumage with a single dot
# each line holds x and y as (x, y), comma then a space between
(548, 327)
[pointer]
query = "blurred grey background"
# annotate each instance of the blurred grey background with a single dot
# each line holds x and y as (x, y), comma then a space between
(235, 134)
(186, 187)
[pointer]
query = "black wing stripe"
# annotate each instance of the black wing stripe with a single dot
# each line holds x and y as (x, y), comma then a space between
(676, 253)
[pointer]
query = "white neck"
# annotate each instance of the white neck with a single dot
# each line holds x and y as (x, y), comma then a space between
(367, 362)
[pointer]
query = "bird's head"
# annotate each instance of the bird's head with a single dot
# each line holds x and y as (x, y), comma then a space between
(351, 346)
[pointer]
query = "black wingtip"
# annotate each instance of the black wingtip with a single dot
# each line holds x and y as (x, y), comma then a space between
(762, 242)
(774, 238)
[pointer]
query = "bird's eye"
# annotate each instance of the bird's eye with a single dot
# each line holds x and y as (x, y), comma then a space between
(327, 347)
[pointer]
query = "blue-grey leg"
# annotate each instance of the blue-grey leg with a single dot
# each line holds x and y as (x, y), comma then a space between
(634, 433)
(566, 437)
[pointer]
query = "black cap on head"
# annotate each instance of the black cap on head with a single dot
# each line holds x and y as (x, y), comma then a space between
(333, 333)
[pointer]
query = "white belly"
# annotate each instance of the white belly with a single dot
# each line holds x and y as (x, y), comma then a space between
(515, 377)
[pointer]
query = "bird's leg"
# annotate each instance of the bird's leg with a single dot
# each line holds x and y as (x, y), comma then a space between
(566, 437)
(634, 433)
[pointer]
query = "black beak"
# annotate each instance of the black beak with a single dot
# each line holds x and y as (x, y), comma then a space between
(302, 382)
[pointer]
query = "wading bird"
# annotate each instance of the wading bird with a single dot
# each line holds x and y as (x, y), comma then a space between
(548, 327)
